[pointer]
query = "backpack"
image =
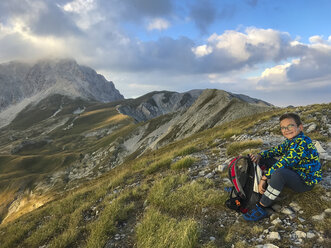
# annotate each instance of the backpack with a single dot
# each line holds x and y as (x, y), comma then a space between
(245, 177)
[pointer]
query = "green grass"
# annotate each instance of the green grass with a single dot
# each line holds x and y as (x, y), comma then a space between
(232, 131)
(186, 151)
(235, 148)
(103, 229)
(318, 136)
(158, 230)
(177, 196)
(183, 163)
(159, 165)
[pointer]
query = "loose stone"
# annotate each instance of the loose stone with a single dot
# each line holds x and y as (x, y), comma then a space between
(287, 211)
(273, 236)
(300, 234)
(310, 235)
(319, 217)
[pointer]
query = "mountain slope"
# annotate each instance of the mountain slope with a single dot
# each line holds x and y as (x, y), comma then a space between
(60, 142)
(155, 104)
(174, 197)
(27, 83)
(213, 108)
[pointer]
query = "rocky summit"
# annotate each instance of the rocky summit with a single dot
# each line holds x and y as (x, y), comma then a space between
(23, 83)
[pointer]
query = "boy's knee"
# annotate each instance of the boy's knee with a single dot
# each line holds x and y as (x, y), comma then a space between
(280, 176)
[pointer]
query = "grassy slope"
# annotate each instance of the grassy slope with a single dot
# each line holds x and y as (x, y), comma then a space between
(32, 164)
(153, 201)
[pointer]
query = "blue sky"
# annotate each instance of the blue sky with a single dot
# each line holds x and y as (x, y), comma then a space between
(277, 51)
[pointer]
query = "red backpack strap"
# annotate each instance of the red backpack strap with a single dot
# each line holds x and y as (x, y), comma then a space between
(233, 176)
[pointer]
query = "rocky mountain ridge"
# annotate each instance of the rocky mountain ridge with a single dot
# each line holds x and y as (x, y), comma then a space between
(23, 84)
(155, 104)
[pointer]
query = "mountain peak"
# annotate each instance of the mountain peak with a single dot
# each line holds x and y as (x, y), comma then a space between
(23, 83)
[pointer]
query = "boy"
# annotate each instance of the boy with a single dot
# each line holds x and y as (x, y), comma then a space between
(298, 168)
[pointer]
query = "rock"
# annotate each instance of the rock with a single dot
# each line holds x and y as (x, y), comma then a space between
(301, 219)
(322, 153)
(276, 221)
(273, 216)
(327, 211)
(222, 167)
(292, 216)
(318, 217)
(300, 234)
(295, 206)
(273, 236)
(267, 246)
(320, 239)
(212, 238)
(226, 181)
(276, 207)
(209, 175)
(310, 235)
(311, 128)
(202, 173)
(298, 242)
(287, 211)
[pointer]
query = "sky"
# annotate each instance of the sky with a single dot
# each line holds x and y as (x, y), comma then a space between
(277, 51)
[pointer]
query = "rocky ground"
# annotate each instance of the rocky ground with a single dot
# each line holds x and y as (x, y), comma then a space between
(286, 223)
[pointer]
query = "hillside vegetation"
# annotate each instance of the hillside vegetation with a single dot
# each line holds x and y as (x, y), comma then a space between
(172, 196)
(60, 142)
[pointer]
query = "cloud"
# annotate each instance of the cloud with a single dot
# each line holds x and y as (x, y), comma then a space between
(85, 13)
(94, 32)
(79, 6)
(311, 69)
(203, 13)
(235, 50)
(158, 24)
(47, 23)
(135, 11)
(37, 17)
(203, 50)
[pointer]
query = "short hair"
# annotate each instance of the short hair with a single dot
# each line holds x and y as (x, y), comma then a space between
(293, 116)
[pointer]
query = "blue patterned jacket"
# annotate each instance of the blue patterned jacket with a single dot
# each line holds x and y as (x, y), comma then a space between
(298, 154)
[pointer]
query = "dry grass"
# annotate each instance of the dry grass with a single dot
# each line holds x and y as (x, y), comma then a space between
(235, 148)
(158, 230)
(183, 163)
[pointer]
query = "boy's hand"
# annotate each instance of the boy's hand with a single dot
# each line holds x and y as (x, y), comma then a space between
(255, 158)
(262, 186)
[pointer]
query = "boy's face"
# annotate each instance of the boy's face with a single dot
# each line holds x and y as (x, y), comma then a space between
(289, 128)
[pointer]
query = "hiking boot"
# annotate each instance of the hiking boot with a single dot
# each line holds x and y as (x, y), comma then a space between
(256, 214)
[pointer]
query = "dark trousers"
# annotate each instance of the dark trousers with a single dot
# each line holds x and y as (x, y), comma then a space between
(280, 178)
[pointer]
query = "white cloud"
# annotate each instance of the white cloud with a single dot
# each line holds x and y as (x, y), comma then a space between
(310, 70)
(85, 13)
(256, 45)
(316, 39)
(203, 50)
(79, 6)
(158, 24)
(274, 78)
